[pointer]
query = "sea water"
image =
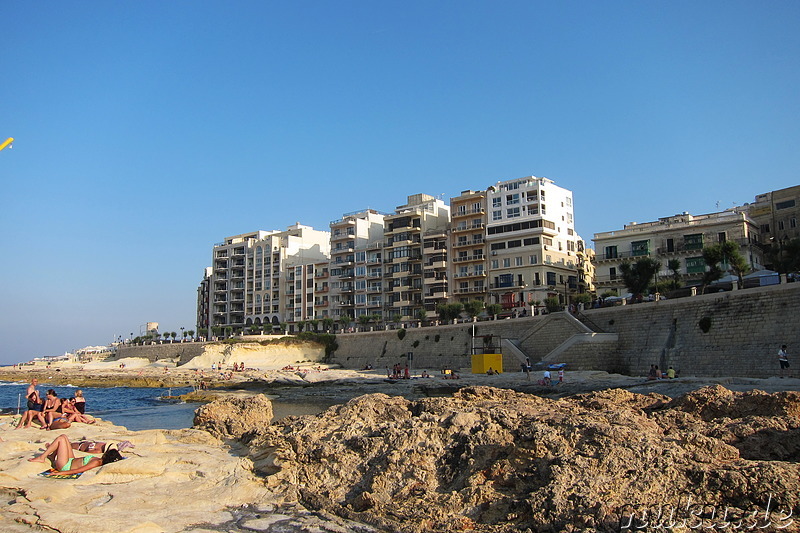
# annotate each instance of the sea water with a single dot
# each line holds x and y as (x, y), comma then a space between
(138, 408)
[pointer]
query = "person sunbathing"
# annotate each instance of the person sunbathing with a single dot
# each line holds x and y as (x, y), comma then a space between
(98, 447)
(35, 406)
(61, 455)
(52, 408)
(69, 408)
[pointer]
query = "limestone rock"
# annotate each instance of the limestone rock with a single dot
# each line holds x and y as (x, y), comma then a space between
(231, 418)
(495, 460)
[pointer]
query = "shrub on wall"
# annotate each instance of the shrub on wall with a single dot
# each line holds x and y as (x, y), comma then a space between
(705, 324)
(401, 333)
(415, 344)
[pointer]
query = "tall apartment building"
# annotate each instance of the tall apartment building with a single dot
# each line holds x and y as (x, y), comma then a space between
(531, 240)
(680, 237)
(414, 235)
(356, 265)
(255, 277)
(468, 266)
(204, 301)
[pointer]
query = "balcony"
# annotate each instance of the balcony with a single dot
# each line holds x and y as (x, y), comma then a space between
(469, 290)
(462, 275)
(470, 259)
(468, 212)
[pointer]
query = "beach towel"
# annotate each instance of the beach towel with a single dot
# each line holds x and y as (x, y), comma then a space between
(55, 474)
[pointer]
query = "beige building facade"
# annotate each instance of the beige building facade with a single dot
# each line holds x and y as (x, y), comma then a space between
(680, 237)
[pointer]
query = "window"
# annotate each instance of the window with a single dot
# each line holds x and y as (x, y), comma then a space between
(569, 201)
(497, 202)
(693, 242)
(518, 261)
(462, 210)
(462, 271)
(506, 262)
(569, 218)
(361, 271)
(479, 270)
(784, 205)
(793, 222)
(551, 278)
(505, 280)
(639, 248)
(695, 265)
(544, 209)
(721, 237)
(512, 212)
(536, 279)
(495, 264)
(533, 209)
(361, 257)
(498, 246)
(532, 259)
(476, 207)
(781, 225)
(612, 273)
(514, 244)
(670, 245)
(497, 215)
(512, 199)
(531, 241)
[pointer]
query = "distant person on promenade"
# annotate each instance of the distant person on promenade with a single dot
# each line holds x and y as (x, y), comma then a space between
(62, 457)
(783, 359)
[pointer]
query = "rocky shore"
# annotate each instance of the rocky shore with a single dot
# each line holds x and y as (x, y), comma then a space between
(480, 453)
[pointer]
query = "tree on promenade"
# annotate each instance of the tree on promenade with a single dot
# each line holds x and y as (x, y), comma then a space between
(722, 257)
(473, 308)
(637, 276)
(449, 312)
(327, 324)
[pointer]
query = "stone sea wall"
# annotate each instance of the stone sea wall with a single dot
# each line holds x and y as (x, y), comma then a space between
(725, 334)
(183, 351)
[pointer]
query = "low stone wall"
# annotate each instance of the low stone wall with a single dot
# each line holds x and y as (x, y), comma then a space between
(726, 334)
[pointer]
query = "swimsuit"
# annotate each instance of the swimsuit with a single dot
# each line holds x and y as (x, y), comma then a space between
(68, 465)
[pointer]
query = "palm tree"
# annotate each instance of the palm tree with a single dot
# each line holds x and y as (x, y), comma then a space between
(637, 276)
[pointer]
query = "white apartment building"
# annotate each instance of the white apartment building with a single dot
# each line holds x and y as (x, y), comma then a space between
(413, 236)
(356, 266)
(681, 237)
(254, 278)
(531, 241)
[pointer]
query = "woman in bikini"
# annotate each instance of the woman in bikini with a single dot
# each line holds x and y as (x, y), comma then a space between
(61, 455)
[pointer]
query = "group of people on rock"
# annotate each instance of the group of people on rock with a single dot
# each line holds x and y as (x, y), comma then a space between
(655, 373)
(51, 411)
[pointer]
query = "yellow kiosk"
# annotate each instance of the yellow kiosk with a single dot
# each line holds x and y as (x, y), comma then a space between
(487, 353)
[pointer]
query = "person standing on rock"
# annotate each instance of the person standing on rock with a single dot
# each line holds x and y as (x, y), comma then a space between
(783, 359)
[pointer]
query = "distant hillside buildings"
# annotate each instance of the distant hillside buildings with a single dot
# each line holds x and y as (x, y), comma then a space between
(512, 244)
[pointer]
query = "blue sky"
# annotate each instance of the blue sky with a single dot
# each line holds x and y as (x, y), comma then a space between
(147, 131)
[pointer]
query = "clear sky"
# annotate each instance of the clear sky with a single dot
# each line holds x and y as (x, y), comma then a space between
(148, 131)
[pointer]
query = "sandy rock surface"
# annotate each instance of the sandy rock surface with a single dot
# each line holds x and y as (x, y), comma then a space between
(489, 459)
(169, 481)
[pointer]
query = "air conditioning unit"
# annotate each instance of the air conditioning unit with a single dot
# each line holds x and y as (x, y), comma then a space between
(494, 252)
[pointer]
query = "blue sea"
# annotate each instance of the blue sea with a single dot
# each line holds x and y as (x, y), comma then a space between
(137, 408)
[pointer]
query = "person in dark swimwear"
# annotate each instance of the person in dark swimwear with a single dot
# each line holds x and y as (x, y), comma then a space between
(35, 407)
(62, 457)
